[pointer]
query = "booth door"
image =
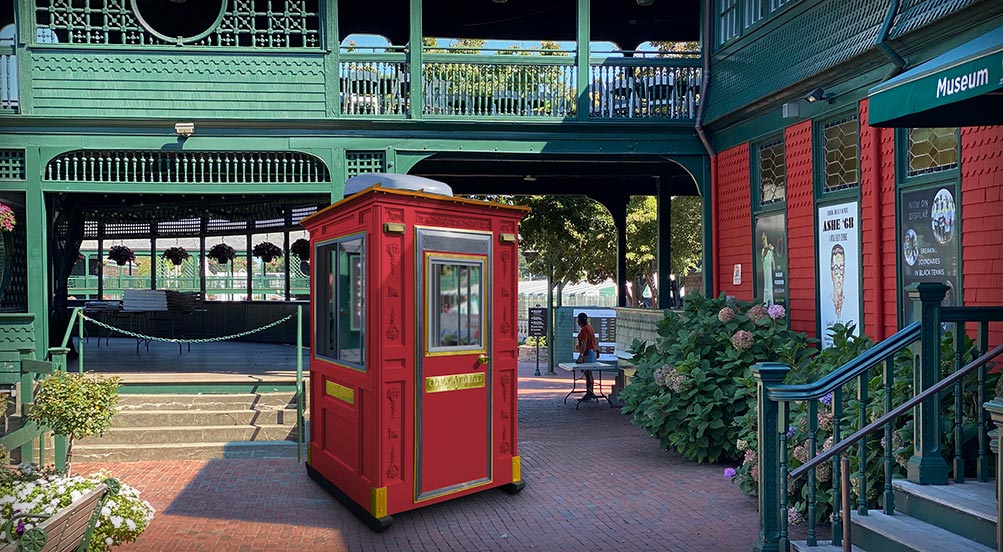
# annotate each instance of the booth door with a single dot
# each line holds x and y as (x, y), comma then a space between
(454, 373)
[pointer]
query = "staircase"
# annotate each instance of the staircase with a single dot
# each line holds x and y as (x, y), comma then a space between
(196, 426)
(928, 518)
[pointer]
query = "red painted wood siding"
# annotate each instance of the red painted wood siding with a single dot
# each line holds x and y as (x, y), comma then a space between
(877, 176)
(734, 221)
(982, 217)
(800, 228)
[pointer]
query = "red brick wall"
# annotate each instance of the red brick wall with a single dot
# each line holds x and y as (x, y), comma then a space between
(982, 217)
(800, 228)
(877, 209)
(734, 224)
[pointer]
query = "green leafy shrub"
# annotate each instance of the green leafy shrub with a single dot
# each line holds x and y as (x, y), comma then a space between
(75, 405)
(687, 390)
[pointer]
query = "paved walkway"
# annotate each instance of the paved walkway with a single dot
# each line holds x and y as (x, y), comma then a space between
(594, 482)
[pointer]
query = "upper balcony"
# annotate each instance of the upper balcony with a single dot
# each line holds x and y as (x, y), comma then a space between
(290, 60)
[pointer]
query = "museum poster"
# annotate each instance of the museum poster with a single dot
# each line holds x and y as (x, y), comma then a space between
(838, 267)
(929, 241)
(771, 259)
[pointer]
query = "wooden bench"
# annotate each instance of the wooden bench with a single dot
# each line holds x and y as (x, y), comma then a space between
(68, 530)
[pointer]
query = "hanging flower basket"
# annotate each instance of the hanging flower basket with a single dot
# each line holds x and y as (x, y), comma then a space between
(267, 251)
(7, 220)
(176, 255)
(222, 253)
(301, 248)
(121, 254)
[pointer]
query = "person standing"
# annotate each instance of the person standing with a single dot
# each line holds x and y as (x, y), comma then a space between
(588, 351)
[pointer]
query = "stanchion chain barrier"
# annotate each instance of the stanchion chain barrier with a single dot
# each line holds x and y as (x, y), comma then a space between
(173, 340)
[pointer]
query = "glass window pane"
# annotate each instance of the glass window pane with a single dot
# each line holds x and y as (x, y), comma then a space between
(455, 293)
(772, 172)
(932, 150)
(842, 160)
(341, 301)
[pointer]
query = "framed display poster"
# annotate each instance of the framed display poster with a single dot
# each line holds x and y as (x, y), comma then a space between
(770, 266)
(929, 241)
(603, 322)
(838, 267)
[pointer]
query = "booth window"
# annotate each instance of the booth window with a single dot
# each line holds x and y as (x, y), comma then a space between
(931, 150)
(455, 293)
(341, 301)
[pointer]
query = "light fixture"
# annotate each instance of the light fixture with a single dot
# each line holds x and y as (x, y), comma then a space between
(529, 178)
(818, 94)
(499, 1)
(184, 130)
(645, 2)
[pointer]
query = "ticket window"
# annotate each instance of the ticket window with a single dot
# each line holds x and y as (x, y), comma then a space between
(456, 292)
(341, 301)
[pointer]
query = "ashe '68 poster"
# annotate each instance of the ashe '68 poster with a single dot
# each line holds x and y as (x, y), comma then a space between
(838, 267)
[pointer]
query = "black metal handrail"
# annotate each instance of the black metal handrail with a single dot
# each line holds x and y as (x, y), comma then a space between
(847, 372)
(894, 413)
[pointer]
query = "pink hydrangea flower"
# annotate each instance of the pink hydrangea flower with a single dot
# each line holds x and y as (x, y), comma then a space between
(776, 312)
(725, 315)
(758, 313)
(742, 340)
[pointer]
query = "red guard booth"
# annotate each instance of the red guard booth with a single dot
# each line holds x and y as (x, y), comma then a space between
(414, 347)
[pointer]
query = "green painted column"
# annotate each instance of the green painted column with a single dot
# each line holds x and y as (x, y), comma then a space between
(767, 375)
(708, 231)
(664, 241)
(36, 235)
(414, 61)
(995, 408)
(927, 465)
(583, 52)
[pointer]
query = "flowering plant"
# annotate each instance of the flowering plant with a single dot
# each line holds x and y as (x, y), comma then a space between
(267, 251)
(121, 254)
(687, 392)
(75, 405)
(176, 255)
(301, 248)
(7, 220)
(222, 253)
(29, 490)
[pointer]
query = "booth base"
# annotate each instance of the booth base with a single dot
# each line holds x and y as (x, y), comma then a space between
(376, 524)
(513, 488)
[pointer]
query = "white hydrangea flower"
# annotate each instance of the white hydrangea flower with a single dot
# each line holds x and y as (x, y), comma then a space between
(109, 541)
(75, 495)
(105, 511)
(116, 521)
(130, 524)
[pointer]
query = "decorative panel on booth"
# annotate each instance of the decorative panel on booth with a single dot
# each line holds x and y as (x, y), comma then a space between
(414, 346)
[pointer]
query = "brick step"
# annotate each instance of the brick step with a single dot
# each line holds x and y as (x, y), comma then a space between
(205, 401)
(179, 434)
(263, 415)
(184, 451)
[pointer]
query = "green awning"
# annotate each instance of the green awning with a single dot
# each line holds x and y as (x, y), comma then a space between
(962, 87)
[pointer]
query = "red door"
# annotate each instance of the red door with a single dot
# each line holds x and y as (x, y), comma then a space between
(453, 433)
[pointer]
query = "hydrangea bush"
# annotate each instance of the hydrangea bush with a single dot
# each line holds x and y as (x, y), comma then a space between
(686, 392)
(122, 519)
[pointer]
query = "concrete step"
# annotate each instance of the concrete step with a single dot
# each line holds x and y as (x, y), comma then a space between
(967, 509)
(266, 415)
(822, 546)
(185, 451)
(133, 436)
(205, 401)
(877, 532)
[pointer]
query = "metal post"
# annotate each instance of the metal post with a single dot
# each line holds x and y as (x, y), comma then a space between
(845, 464)
(80, 339)
(299, 383)
(768, 374)
(550, 319)
(927, 465)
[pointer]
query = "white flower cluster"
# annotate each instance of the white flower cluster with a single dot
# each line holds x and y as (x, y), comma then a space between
(123, 518)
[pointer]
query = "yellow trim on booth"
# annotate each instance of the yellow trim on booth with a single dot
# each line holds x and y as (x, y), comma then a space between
(378, 502)
(516, 469)
(341, 392)
(454, 382)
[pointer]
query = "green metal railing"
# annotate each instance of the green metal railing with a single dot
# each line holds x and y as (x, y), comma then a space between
(845, 393)
(538, 86)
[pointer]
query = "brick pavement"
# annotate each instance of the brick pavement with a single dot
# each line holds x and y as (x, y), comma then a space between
(594, 481)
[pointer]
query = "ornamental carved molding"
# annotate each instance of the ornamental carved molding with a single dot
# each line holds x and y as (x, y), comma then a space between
(208, 65)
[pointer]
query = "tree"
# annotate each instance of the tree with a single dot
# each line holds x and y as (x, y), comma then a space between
(642, 240)
(573, 235)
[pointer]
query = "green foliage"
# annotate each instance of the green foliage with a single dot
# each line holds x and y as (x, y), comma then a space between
(76, 405)
(686, 392)
(533, 340)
